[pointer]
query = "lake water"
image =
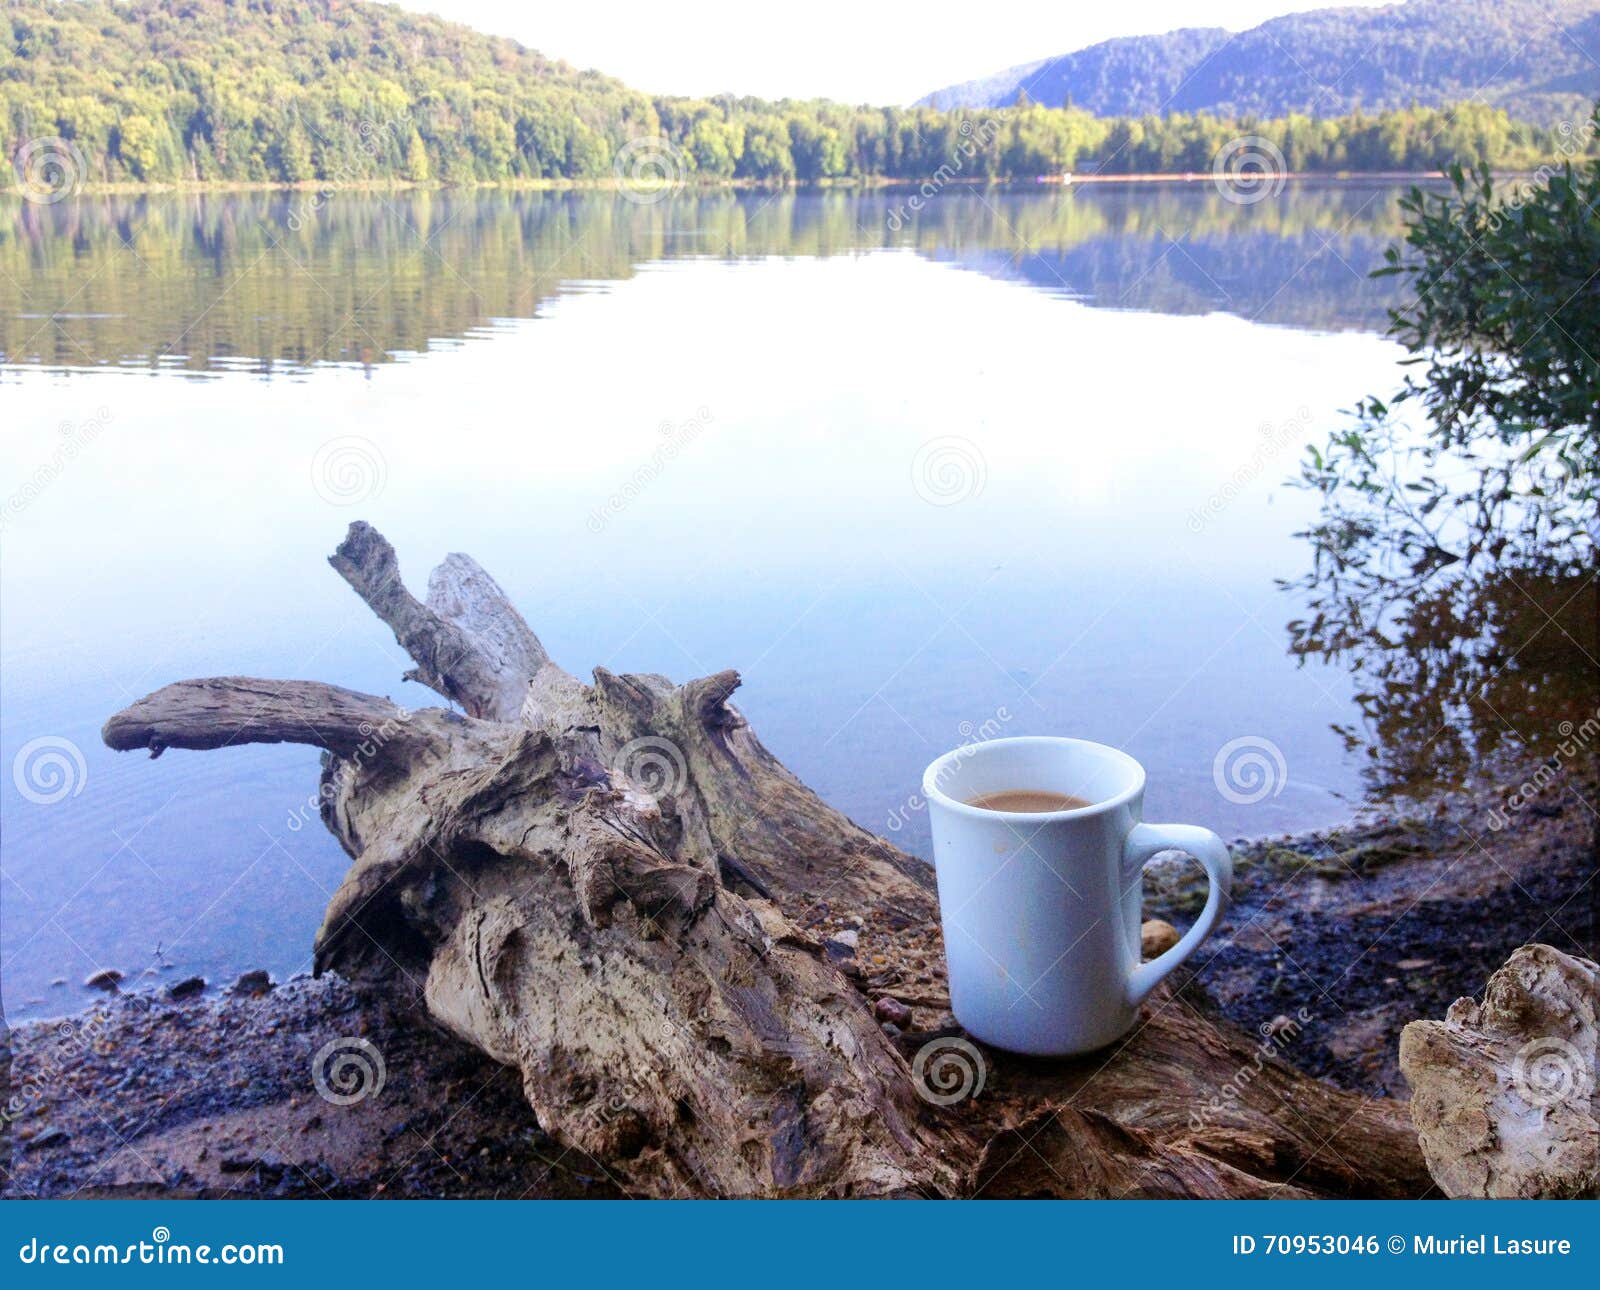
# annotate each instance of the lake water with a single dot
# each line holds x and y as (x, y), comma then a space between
(1011, 463)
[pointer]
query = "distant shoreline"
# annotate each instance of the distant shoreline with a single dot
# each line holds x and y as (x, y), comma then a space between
(1206, 176)
(740, 185)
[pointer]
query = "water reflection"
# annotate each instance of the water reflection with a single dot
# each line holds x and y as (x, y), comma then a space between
(1109, 572)
(1468, 677)
(275, 282)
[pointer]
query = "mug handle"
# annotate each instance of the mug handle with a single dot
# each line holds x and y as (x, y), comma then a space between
(1144, 841)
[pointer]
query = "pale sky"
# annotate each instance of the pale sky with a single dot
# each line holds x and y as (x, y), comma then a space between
(863, 51)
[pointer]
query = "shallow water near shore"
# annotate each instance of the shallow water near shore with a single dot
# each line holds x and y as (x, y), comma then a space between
(1012, 465)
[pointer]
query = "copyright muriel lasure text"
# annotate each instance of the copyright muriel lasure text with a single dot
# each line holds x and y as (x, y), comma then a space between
(1485, 1243)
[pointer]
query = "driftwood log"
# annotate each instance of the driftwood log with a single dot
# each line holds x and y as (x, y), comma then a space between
(1505, 1093)
(617, 890)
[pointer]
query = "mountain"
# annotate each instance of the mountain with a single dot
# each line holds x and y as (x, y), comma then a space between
(1538, 59)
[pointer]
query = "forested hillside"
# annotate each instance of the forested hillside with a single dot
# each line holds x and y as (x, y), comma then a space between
(1539, 59)
(298, 89)
(337, 92)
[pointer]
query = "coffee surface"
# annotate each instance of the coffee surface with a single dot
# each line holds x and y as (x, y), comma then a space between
(1028, 801)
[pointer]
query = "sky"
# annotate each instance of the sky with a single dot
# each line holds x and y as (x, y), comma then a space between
(856, 51)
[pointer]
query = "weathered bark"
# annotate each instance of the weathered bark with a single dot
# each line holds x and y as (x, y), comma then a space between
(227, 710)
(1505, 1093)
(618, 890)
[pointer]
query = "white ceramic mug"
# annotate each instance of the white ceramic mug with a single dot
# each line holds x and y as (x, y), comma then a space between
(1041, 911)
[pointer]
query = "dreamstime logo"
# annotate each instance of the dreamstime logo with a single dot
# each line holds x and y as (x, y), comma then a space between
(617, 1101)
(675, 437)
(75, 439)
(343, 772)
(652, 765)
(348, 1070)
(49, 170)
(972, 738)
(973, 140)
(1272, 440)
(1553, 473)
(349, 470)
(948, 1070)
(1275, 1035)
(1574, 739)
(51, 1063)
(649, 169)
(1249, 169)
(1249, 770)
(369, 139)
(49, 769)
(948, 470)
(1572, 141)
(1547, 1072)
(160, 1250)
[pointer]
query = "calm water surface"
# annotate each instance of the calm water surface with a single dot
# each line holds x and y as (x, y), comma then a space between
(1010, 464)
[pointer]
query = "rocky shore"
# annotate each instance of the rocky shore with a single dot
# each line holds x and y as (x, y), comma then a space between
(1350, 933)
(317, 1088)
(312, 1088)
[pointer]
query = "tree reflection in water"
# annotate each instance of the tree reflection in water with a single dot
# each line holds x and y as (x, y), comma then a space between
(1455, 554)
(1466, 677)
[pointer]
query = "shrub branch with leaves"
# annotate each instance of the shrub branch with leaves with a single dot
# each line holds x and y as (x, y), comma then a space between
(1479, 477)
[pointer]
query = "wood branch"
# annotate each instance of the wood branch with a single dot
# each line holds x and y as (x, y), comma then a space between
(221, 711)
(468, 643)
(1506, 1093)
(617, 890)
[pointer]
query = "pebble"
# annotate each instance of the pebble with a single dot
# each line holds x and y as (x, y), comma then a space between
(839, 951)
(891, 1011)
(256, 981)
(104, 979)
(187, 988)
(1157, 937)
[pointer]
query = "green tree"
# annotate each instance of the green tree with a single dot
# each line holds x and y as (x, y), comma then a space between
(493, 141)
(287, 90)
(716, 147)
(137, 143)
(766, 155)
(587, 153)
(416, 167)
(294, 155)
(1481, 473)
(1503, 334)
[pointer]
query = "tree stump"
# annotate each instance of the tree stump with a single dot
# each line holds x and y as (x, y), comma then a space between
(617, 890)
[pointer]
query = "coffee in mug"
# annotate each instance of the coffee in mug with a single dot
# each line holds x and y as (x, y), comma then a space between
(1028, 801)
(1039, 845)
